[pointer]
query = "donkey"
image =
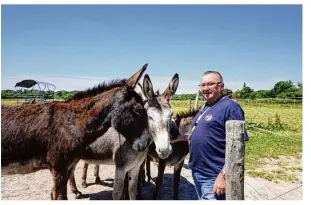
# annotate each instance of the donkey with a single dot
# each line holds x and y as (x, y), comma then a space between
(180, 126)
(54, 135)
(126, 159)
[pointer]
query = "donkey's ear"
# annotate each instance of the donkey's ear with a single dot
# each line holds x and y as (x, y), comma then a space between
(147, 87)
(133, 80)
(171, 89)
(139, 89)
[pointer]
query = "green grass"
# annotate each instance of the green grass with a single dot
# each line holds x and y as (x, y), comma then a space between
(284, 137)
(8, 101)
(14, 101)
(179, 106)
(270, 146)
(265, 116)
(273, 176)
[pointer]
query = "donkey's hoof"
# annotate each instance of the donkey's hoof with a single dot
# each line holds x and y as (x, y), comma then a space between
(97, 180)
(84, 184)
(78, 195)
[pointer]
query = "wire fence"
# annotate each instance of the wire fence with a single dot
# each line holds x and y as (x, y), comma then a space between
(275, 133)
(277, 197)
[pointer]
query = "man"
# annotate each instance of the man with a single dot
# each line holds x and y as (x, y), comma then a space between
(208, 139)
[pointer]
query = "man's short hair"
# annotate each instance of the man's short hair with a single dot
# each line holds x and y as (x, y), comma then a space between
(214, 72)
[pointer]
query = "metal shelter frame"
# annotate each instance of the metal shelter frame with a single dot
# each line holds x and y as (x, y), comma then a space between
(45, 90)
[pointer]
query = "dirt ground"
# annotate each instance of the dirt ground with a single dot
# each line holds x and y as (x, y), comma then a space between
(37, 186)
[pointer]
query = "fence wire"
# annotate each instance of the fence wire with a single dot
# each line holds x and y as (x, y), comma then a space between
(274, 133)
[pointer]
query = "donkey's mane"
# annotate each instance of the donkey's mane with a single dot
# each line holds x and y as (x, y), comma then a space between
(90, 92)
(184, 114)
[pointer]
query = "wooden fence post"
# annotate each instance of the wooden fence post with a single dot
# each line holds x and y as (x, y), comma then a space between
(196, 103)
(234, 163)
(189, 104)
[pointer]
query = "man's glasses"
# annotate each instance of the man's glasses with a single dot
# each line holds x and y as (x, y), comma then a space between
(209, 84)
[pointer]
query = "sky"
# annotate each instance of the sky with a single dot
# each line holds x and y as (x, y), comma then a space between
(78, 46)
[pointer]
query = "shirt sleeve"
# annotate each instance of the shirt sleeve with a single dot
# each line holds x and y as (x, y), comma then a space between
(238, 114)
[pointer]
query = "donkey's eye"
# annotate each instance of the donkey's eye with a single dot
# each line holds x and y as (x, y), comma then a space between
(137, 111)
(150, 118)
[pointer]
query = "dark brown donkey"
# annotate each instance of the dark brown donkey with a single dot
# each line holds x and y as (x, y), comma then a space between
(181, 126)
(54, 135)
(126, 159)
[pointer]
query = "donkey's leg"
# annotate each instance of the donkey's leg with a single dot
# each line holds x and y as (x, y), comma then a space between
(139, 183)
(60, 179)
(72, 182)
(148, 168)
(142, 173)
(133, 181)
(118, 183)
(125, 187)
(96, 174)
(159, 180)
(84, 174)
(177, 171)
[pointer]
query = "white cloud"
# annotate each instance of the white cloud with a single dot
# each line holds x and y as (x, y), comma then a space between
(61, 83)
(159, 82)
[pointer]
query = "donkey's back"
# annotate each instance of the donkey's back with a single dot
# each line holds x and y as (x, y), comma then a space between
(27, 133)
(21, 141)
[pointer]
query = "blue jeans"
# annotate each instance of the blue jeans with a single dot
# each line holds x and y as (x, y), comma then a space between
(204, 187)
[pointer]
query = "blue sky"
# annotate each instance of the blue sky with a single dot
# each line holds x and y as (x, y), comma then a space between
(76, 47)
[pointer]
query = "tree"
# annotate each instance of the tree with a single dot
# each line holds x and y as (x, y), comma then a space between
(227, 91)
(262, 94)
(245, 92)
(59, 94)
(299, 85)
(282, 87)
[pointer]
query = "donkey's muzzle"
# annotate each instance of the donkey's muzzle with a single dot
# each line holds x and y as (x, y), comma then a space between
(164, 152)
(140, 145)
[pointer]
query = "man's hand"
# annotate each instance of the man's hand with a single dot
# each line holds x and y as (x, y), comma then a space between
(219, 185)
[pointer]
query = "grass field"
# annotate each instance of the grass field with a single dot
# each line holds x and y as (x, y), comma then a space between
(275, 132)
(274, 150)
(8, 102)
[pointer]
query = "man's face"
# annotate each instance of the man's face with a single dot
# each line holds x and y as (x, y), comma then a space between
(211, 87)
